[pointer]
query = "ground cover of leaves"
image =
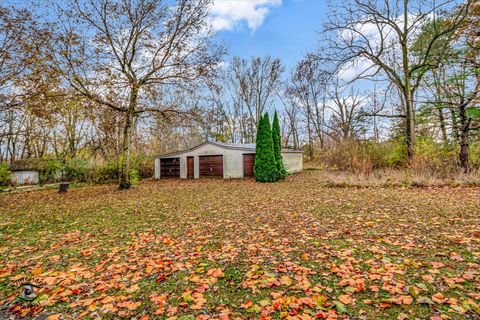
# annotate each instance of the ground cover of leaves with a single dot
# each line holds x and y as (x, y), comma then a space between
(236, 249)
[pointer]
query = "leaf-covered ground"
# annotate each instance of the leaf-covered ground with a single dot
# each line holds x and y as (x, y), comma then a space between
(215, 249)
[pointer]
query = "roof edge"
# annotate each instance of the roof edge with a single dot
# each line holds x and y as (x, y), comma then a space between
(171, 154)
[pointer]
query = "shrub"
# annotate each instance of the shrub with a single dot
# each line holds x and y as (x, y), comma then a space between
(431, 158)
(134, 177)
(75, 169)
(475, 154)
(144, 164)
(50, 170)
(363, 156)
(103, 173)
(5, 174)
(265, 165)
(434, 157)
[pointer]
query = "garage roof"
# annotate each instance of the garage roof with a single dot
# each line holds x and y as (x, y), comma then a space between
(250, 147)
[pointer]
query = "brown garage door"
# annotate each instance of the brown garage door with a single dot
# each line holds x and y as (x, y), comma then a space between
(248, 164)
(169, 168)
(211, 166)
(190, 168)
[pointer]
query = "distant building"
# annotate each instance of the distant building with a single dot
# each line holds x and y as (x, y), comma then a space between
(25, 172)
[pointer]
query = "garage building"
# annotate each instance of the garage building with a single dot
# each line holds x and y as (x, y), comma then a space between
(218, 159)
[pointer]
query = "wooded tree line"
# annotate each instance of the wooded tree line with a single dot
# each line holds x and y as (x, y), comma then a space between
(106, 79)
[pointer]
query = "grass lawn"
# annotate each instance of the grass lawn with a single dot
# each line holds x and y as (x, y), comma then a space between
(239, 249)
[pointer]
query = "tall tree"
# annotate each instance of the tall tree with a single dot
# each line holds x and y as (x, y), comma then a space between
(131, 55)
(254, 82)
(455, 83)
(277, 147)
(377, 35)
(265, 165)
(347, 113)
(308, 85)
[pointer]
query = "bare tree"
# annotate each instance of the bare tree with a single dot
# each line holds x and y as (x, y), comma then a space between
(377, 36)
(292, 110)
(254, 83)
(308, 85)
(129, 55)
(347, 113)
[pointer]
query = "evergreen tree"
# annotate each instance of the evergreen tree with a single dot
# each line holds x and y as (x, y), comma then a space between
(277, 147)
(265, 164)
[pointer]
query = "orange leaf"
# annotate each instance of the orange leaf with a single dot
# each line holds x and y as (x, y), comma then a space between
(172, 311)
(345, 299)
(247, 304)
(130, 305)
(439, 298)
(215, 272)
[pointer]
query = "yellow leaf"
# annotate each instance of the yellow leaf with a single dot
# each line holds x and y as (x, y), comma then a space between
(264, 302)
(286, 280)
(133, 288)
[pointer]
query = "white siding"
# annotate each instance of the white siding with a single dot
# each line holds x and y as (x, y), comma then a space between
(157, 168)
(25, 177)
(293, 161)
(233, 164)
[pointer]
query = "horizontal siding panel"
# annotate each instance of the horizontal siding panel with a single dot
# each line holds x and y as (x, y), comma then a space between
(211, 166)
(170, 167)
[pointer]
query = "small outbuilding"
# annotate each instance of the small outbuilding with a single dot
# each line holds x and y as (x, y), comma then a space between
(218, 159)
(24, 172)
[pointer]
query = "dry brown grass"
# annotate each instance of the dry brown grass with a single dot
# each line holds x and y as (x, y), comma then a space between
(394, 178)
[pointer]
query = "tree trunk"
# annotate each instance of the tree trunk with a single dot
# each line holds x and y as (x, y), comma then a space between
(464, 145)
(310, 139)
(124, 177)
(408, 91)
(441, 119)
(455, 133)
(410, 124)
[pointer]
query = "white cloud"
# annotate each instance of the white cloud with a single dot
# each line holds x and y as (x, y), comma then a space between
(228, 14)
(354, 68)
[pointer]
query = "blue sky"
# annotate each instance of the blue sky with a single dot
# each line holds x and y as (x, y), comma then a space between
(281, 28)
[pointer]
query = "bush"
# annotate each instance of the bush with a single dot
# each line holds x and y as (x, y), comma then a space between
(104, 173)
(363, 156)
(143, 164)
(434, 157)
(431, 158)
(5, 174)
(134, 177)
(475, 154)
(50, 170)
(75, 169)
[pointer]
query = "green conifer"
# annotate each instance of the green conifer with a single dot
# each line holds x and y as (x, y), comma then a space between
(277, 147)
(265, 164)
